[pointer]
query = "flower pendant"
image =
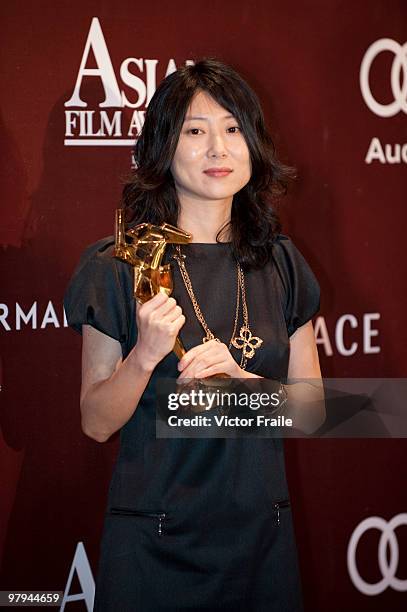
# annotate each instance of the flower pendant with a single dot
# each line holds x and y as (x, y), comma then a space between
(247, 342)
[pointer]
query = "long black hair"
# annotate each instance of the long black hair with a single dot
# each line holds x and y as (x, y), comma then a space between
(150, 195)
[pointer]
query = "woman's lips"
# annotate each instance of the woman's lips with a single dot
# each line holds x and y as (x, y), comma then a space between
(218, 172)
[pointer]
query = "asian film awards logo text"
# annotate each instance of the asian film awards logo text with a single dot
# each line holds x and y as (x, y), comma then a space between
(108, 124)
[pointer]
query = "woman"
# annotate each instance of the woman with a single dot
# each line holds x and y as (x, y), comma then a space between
(196, 524)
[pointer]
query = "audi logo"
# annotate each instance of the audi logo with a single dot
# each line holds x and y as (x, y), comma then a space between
(398, 70)
(388, 569)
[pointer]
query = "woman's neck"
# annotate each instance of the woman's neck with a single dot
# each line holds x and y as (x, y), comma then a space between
(204, 219)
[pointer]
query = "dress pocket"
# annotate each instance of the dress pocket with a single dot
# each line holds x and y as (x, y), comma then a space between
(282, 505)
(159, 516)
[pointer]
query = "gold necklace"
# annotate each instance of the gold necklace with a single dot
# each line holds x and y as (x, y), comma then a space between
(245, 341)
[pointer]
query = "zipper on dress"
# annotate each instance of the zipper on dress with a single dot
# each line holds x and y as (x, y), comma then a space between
(131, 512)
(284, 503)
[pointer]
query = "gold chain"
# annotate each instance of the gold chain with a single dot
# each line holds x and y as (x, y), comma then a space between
(245, 342)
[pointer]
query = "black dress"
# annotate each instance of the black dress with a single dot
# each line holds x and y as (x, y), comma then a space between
(219, 545)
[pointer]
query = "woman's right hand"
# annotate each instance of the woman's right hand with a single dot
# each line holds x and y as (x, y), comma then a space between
(158, 321)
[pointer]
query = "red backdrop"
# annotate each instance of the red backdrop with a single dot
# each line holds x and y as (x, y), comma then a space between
(346, 213)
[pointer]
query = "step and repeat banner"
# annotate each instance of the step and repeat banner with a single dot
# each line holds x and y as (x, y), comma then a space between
(77, 80)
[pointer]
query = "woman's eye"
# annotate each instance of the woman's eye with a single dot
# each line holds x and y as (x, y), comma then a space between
(233, 129)
(194, 131)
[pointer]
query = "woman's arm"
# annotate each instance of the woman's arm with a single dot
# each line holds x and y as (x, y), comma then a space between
(112, 388)
(304, 360)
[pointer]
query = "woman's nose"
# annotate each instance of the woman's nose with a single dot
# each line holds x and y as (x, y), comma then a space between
(216, 145)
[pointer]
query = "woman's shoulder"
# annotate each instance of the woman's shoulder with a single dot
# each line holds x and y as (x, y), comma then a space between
(100, 290)
(99, 256)
(287, 255)
(301, 287)
(282, 241)
(283, 254)
(100, 250)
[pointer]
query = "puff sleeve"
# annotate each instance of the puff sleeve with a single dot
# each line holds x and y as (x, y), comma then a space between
(95, 294)
(301, 289)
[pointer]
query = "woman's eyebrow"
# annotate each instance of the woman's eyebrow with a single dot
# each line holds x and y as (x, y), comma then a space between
(195, 117)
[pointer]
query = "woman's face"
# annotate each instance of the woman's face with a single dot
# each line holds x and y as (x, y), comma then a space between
(212, 160)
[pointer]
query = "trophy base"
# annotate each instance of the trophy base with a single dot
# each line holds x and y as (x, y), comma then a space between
(218, 380)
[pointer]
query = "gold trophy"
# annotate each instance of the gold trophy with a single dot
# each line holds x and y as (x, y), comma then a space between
(144, 251)
(143, 247)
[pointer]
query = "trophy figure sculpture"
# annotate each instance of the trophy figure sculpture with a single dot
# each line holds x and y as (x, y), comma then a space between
(144, 251)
